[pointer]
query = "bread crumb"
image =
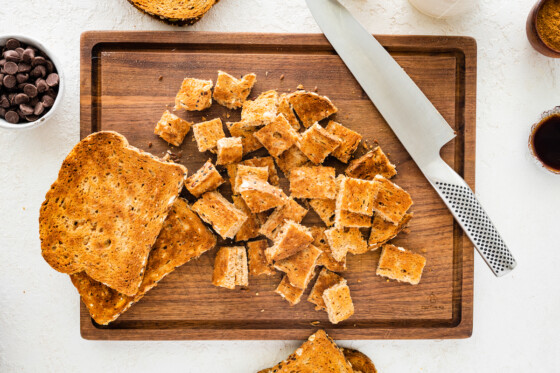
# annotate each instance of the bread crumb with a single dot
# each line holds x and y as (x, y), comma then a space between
(149, 145)
(300, 86)
(424, 250)
(257, 294)
(315, 89)
(160, 78)
(314, 323)
(262, 310)
(228, 115)
(359, 281)
(282, 77)
(266, 73)
(203, 119)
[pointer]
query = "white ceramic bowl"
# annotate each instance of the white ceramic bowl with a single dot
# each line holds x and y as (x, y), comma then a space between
(37, 44)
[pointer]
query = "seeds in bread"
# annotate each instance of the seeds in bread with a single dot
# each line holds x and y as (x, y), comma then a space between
(230, 268)
(186, 12)
(338, 302)
(399, 264)
(277, 136)
(344, 240)
(207, 134)
(241, 171)
(289, 292)
(326, 259)
(317, 143)
(383, 231)
(232, 92)
(325, 280)
(313, 182)
(246, 132)
(262, 110)
(258, 264)
(172, 129)
(290, 159)
(285, 108)
(325, 208)
(350, 141)
(391, 202)
(290, 211)
(206, 179)
(82, 229)
(300, 267)
(374, 162)
(194, 95)
(259, 195)
(356, 195)
(230, 150)
(310, 107)
(292, 238)
(249, 229)
(224, 217)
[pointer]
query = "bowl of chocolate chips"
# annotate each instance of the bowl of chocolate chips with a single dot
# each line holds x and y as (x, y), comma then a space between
(31, 83)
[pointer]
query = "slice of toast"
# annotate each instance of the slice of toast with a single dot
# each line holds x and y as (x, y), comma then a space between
(326, 259)
(229, 150)
(325, 208)
(172, 129)
(285, 108)
(350, 141)
(292, 238)
(399, 264)
(345, 240)
(310, 107)
(170, 11)
(246, 131)
(83, 229)
(391, 202)
(207, 178)
(289, 292)
(383, 231)
(356, 195)
(183, 237)
(232, 92)
(374, 162)
(313, 182)
(194, 95)
(223, 216)
(277, 136)
(338, 302)
(230, 268)
(325, 280)
(260, 196)
(317, 143)
(360, 362)
(249, 229)
(262, 110)
(291, 159)
(290, 211)
(300, 267)
(258, 264)
(207, 134)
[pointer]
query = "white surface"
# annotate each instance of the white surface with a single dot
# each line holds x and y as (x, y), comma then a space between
(516, 322)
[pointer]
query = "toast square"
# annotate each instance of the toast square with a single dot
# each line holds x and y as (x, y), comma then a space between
(383, 231)
(262, 110)
(326, 259)
(347, 219)
(291, 238)
(317, 143)
(344, 240)
(194, 95)
(258, 265)
(338, 302)
(285, 108)
(207, 178)
(242, 171)
(289, 292)
(224, 217)
(374, 162)
(290, 211)
(313, 182)
(391, 202)
(399, 264)
(356, 195)
(207, 134)
(246, 131)
(265, 162)
(172, 129)
(249, 229)
(82, 229)
(232, 92)
(300, 267)
(290, 159)
(277, 136)
(325, 208)
(230, 150)
(183, 237)
(259, 195)
(350, 141)
(310, 107)
(230, 268)
(325, 280)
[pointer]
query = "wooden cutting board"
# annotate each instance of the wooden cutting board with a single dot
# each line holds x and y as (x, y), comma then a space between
(129, 78)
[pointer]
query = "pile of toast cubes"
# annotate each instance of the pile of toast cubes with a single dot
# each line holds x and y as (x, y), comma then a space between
(263, 220)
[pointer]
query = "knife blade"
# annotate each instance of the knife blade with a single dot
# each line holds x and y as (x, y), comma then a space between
(415, 121)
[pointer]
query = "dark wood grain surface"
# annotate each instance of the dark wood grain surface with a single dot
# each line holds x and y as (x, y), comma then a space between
(129, 78)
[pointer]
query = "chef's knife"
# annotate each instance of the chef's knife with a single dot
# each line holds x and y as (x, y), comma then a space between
(416, 122)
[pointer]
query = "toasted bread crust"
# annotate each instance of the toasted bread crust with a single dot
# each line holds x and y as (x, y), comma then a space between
(172, 129)
(310, 107)
(225, 218)
(300, 267)
(338, 302)
(232, 92)
(325, 280)
(370, 164)
(313, 182)
(399, 264)
(166, 10)
(289, 292)
(360, 362)
(326, 259)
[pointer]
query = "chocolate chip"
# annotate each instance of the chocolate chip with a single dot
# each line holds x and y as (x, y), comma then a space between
(34, 101)
(30, 90)
(39, 109)
(11, 68)
(2, 112)
(2, 61)
(11, 56)
(42, 85)
(24, 67)
(12, 43)
(12, 117)
(50, 92)
(21, 98)
(31, 118)
(11, 97)
(47, 101)
(22, 77)
(26, 109)
(20, 86)
(4, 102)
(38, 71)
(28, 55)
(19, 52)
(50, 67)
(1, 78)
(39, 60)
(52, 80)
(9, 81)
(20, 113)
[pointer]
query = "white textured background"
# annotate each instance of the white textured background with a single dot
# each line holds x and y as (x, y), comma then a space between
(516, 318)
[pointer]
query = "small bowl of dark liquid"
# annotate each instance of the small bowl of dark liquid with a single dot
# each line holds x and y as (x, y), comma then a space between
(544, 141)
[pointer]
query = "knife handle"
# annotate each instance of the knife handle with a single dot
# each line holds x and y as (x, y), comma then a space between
(470, 215)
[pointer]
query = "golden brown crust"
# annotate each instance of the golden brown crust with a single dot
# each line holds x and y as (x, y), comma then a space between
(232, 92)
(82, 229)
(249, 229)
(344, 240)
(258, 264)
(285, 109)
(289, 292)
(189, 13)
(290, 211)
(391, 202)
(399, 264)
(277, 136)
(317, 143)
(225, 218)
(310, 107)
(313, 182)
(343, 218)
(207, 178)
(292, 238)
(350, 141)
(326, 259)
(194, 95)
(300, 267)
(265, 162)
(290, 159)
(230, 267)
(230, 150)
(357, 196)
(325, 280)
(259, 195)
(262, 110)
(338, 302)
(207, 134)
(246, 132)
(172, 129)
(242, 171)
(325, 208)
(374, 162)
(383, 231)
(360, 362)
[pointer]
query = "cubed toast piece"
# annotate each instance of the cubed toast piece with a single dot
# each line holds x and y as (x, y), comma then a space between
(383, 231)
(391, 202)
(290, 211)
(246, 131)
(207, 178)
(344, 240)
(277, 136)
(350, 141)
(289, 292)
(262, 110)
(317, 143)
(230, 267)
(258, 264)
(260, 196)
(285, 108)
(182, 238)
(187, 12)
(172, 129)
(249, 229)
(326, 259)
(313, 182)
(325, 208)
(344, 218)
(292, 238)
(242, 171)
(83, 229)
(310, 107)
(207, 134)
(316, 355)
(360, 362)
(399, 264)
(300, 267)
(338, 302)
(356, 195)
(374, 162)
(325, 280)
(290, 159)
(194, 95)
(224, 217)
(265, 162)
(230, 150)
(232, 92)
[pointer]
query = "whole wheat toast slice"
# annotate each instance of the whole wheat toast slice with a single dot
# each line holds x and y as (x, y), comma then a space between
(104, 212)
(182, 238)
(176, 13)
